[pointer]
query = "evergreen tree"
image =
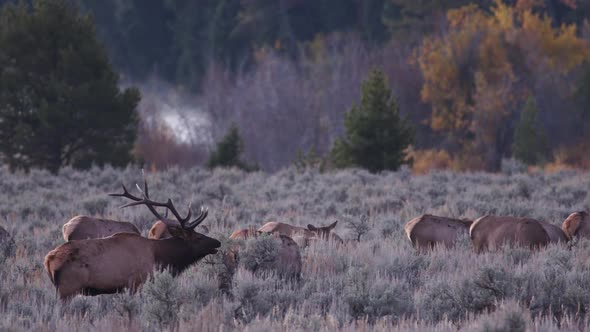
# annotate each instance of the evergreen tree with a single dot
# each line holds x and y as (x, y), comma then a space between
(229, 151)
(581, 112)
(60, 103)
(147, 39)
(530, 143)
(376, 136)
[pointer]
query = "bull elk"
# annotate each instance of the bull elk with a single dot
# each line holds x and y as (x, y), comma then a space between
(84, 227)
(125, 260)
(309, 233)
(427, 231)
(491, 232)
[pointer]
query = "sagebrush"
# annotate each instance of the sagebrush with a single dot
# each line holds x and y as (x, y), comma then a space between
(377, 283)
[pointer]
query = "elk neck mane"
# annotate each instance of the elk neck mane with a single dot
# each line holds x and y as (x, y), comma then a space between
(175, 254)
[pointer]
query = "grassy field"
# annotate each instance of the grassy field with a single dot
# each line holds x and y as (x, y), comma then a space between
(379, 283)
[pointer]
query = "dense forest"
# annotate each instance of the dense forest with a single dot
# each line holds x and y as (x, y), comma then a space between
(480, 81)
(177, 39)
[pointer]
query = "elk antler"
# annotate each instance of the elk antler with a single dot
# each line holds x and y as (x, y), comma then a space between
(169, 205)
(126, 194)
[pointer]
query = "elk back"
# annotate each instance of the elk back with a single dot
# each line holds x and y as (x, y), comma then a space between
(491, 232)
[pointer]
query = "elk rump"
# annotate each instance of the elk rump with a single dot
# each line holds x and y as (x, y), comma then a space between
(491, 232)
(428, 231)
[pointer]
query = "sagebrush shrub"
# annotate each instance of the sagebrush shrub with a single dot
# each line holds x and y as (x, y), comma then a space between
(508, 317)
(453, 299)
(127, 306)
(382, 297)
(95, 206)
(249, 292)
(260, 254)
(161, 300)
(380, 283)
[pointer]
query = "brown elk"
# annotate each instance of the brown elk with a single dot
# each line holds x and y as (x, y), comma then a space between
(309, 233)
(556, 234)
(427, 231)
(125, 260)
(244, 234)
(577, 224)
(84, 227)
(490, 232)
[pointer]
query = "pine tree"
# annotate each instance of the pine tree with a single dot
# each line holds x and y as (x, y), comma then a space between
(376, 135)
(530, 143)
(60, 102)
(229, 151)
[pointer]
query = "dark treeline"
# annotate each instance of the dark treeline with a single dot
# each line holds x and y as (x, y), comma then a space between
(177, 39)
(479, 80)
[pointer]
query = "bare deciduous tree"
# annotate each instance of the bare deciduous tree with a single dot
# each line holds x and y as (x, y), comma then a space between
(284, 106)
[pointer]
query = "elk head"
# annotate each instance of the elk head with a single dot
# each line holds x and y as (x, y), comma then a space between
(325, 232)
(182, 229)
(577, 224)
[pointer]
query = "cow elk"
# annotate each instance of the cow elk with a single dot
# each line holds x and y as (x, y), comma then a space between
(245, 234)
(556, 234)
(125, 260)
(490, 232)
(427, 231)
(577, 224)
(310, 233)
(84, 227)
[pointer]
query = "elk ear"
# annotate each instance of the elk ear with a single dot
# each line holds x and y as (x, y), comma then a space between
(152, 233)
(311, 227)
(333, 225)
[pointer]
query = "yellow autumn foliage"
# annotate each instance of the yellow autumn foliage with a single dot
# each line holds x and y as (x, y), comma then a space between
(424, 161)
(471, 73)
